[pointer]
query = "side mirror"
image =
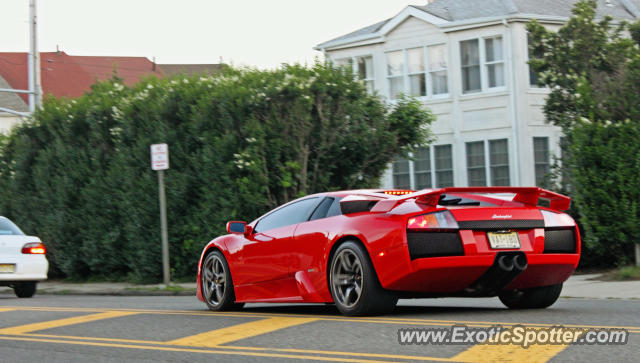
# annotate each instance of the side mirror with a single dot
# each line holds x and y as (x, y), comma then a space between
(236, 227)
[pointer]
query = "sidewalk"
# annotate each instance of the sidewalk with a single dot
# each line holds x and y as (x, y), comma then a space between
(578, 286)
(582, 286)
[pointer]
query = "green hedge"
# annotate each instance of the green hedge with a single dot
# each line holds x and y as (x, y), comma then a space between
(606, 162)
(592, 68)
(241, 142)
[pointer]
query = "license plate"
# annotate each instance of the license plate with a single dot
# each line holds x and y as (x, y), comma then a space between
(504, 239)
(7, 268)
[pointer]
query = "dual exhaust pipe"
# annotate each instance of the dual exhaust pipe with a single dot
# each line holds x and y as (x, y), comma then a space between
(510, 263)
(506, 267)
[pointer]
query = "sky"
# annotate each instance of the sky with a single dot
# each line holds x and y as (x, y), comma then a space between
(254, 33)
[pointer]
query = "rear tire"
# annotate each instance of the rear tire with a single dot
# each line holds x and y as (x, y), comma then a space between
(533, 298)
(25, 289)
(354, 285)
(216, 283)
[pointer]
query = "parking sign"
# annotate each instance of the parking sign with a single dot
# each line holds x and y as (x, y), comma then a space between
(159, 157)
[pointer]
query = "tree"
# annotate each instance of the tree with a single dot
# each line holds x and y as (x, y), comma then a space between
(593, 70)
(241, 142)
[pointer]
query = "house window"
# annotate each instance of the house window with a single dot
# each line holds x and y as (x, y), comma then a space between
(482, 64)
(422, 168)
(438, 69)
(495, 169)
(499, 161)
(395, 71)
(343, 62)
(494, 61)
(362, 67)
(428, 167)
(541, 158)
(470, 56)
(365, 72)
(425, 73)
(534, 77)
(444, 166)
(417, 75)
(401, 175)
(476, 169)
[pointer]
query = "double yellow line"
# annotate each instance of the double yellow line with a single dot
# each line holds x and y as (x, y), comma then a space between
(211, 342)
(339, 318)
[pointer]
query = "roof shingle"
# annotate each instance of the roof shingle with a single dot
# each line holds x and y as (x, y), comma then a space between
(460, 10)
(63, 75)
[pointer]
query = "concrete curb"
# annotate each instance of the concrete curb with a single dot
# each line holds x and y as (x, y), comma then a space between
(111, 289)
(118, 292)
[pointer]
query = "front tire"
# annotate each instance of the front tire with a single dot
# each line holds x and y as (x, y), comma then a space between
(216, 283)
(25, 289)
(533, 298)
(354, 284)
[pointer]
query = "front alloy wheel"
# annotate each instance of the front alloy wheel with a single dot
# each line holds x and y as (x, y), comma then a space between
(217, 286)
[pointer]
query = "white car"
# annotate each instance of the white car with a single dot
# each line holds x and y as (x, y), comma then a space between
(22, 259)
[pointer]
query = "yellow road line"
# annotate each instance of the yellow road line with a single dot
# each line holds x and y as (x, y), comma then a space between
(100, 339)
(260, 349)
(6, 309)
(329, 352)
(23, 329)
(241, 331)
(535, 353)
(379, 320)
(192, 350)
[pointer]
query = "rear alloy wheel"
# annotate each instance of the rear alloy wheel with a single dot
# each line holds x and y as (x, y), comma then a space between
(216, 283)
(533, 298)
(354, 284)
(25, 289)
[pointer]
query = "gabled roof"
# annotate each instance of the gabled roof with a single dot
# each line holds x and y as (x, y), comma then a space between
(63, 75)
(453, 12)
(383, 27)
(371, 29)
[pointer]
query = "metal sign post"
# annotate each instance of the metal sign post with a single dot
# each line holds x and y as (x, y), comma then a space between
(160, 163)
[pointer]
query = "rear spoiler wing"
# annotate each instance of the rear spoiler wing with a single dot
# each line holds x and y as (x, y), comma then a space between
(526, 195)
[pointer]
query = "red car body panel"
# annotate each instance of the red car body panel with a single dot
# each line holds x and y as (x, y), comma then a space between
(289, 264)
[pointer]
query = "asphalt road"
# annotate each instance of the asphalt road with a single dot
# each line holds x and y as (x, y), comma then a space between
(56, 328)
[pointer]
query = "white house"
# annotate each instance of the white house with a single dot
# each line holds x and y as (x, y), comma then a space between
(13, 102)
(466, 60)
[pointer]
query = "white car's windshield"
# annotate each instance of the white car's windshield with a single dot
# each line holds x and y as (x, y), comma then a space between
(8, 228)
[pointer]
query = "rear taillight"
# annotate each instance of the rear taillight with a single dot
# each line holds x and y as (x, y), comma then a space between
(552, 219)
(34, 248)
(437, 220)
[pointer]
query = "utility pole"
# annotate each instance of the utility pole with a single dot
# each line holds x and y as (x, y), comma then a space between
(35, 98)
(33, 69)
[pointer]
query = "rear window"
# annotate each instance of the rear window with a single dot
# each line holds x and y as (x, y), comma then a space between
(453, 200)
(8, 228)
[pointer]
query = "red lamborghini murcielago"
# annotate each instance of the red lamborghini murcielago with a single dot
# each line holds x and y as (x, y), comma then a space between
(364, 249)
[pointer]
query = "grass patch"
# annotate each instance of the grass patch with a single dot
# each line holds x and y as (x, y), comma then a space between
(174, 289)
(626, 273)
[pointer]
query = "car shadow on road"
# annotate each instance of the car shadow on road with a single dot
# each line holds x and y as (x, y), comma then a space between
(399, 311)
